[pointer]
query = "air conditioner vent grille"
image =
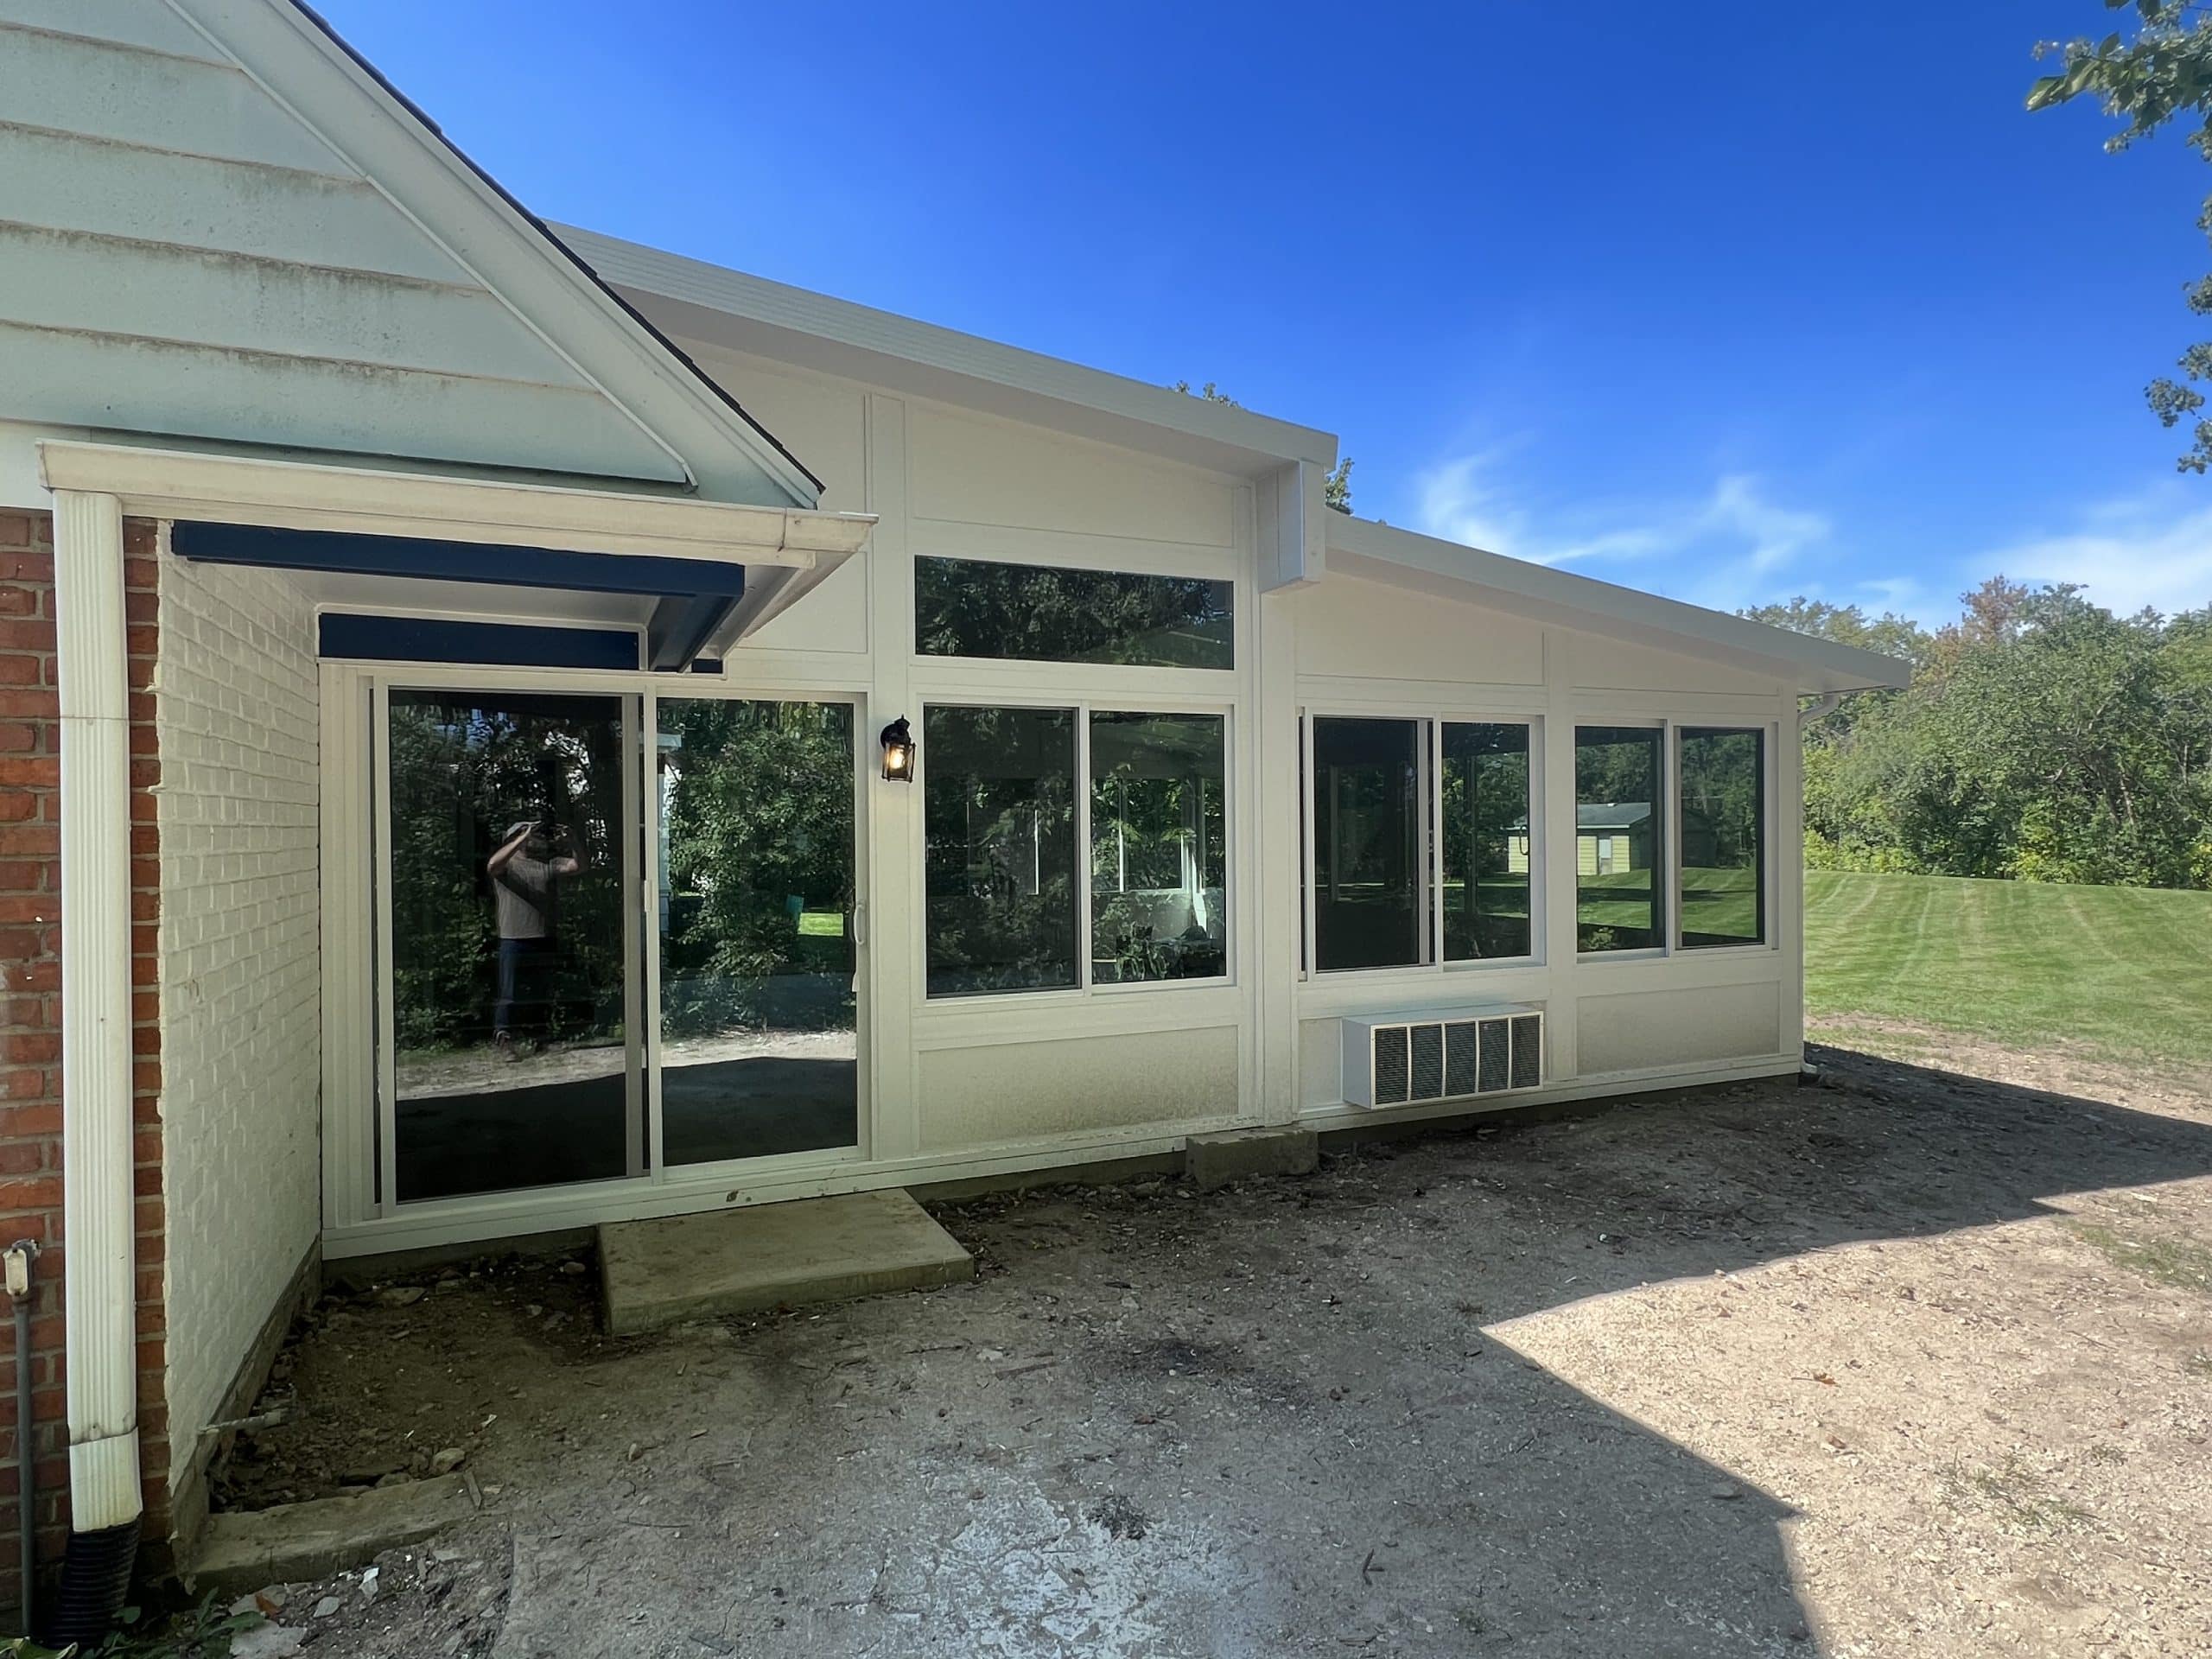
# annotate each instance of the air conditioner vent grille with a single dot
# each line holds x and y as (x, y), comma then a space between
(1404, 1059)
(1429, 1062)
(1390, 1065)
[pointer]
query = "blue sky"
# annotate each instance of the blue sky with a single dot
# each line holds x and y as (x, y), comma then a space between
(1730, 302)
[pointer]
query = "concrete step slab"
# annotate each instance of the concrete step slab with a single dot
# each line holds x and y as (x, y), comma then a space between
(242, 1550)
(655, 1273)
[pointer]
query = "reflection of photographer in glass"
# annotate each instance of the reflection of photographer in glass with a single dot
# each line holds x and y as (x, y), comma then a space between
(526, 873)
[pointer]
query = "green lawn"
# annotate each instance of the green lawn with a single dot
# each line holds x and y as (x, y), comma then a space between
(2126, 970)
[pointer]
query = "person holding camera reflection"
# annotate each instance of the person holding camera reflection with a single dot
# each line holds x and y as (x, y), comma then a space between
(526, 872)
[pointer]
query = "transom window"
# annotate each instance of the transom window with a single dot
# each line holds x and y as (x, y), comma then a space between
(1006, 829)
(1422, 848)
(1056, 613)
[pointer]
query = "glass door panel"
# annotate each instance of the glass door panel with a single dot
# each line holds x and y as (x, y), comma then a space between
(516, 1057)
(759, 1050)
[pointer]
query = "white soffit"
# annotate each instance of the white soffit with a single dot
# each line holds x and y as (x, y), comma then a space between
(1376, 552)
(716, 306)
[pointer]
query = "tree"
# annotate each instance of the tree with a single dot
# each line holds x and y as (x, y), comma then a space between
(2041, 739)
(2163, 73)
(1336, 488)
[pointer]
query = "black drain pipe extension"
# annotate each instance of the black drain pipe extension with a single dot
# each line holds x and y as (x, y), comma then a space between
(19, 1257)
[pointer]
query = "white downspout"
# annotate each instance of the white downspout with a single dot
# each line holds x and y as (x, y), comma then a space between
(1820, 707)
(99, 1288)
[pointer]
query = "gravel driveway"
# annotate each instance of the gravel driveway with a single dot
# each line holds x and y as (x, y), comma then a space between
(1908, 1363)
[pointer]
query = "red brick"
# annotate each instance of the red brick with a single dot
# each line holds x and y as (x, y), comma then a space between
(21, 840)
(42, 1119)
(44, 1193)
(31, 1047)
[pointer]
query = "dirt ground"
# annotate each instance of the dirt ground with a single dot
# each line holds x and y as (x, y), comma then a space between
(1910, 1363)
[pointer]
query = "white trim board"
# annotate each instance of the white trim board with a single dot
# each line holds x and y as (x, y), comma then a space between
(240, 489)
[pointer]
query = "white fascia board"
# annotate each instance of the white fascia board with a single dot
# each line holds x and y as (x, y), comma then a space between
(1376, 552)
(249, 489)
(750, 313)
(710, 444)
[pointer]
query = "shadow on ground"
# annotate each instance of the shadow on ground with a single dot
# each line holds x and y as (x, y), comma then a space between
(1279, 1419)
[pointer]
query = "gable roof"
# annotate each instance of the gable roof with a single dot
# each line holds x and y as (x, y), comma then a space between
(219, 223)
(1611, 815)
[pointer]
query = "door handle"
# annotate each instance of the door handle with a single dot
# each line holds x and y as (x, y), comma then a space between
(860, 925)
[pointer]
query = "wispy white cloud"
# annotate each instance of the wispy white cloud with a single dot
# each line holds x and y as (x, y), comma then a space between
(2152, 548)
(1735, 545)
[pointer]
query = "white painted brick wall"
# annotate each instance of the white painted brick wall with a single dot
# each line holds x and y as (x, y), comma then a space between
(236, 701)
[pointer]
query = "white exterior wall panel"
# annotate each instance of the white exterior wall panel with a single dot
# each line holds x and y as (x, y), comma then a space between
(1009, 1094)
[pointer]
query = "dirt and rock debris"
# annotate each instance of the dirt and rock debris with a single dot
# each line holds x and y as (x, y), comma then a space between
(1910, 1363)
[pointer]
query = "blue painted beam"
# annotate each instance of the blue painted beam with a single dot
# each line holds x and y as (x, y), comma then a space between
(680, 626)
(501, 645)
(410, 556)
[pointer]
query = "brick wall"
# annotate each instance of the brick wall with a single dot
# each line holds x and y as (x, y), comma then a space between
(30, 1015)
(237, 704)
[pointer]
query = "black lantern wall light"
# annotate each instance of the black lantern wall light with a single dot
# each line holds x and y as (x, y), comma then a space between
(898, 739)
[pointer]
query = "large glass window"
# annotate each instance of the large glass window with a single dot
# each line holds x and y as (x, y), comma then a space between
(1617, 796)
(1159, 847)
(1369, 896)
(1486, 841)
(1721, 840)
(981, 607)
(998, 809)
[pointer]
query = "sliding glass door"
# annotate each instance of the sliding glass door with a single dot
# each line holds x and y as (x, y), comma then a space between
(547, 1016)
(759, 1034)
(514, 1050)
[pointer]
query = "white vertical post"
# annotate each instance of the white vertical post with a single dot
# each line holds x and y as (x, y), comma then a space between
(1277, 888)
(1557, 854)
(890, 821)
(1784, 853)
(91, 673)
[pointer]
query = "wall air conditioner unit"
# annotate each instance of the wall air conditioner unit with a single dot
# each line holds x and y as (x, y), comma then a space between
(1399, 1059)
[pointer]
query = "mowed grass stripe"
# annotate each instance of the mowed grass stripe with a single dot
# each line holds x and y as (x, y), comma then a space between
(2126, 970)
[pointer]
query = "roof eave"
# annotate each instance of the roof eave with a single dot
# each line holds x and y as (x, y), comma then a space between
(1378, 552)
(741, 312)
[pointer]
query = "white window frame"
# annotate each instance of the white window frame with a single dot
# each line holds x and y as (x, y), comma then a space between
(1770, 805)
(1084, 988)
(359, 1187)
(1671, 727)
(1170, 562)
(1430, 784)
(1666, 878)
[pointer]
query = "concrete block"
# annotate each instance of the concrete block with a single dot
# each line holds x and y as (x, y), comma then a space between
(1215, 1160)
(655, 1273)
(240, 1552)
